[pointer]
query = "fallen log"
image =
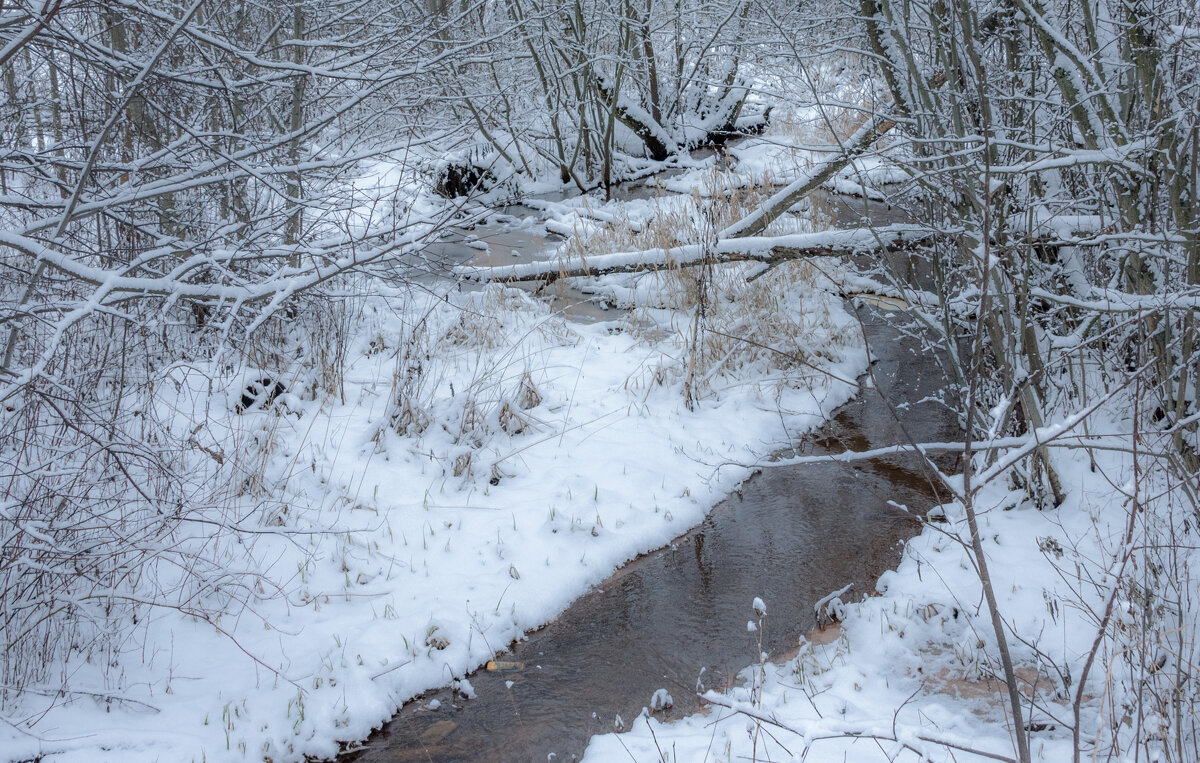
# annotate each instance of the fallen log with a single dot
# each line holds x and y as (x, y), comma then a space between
(770, 250)
(809, 181)
(854, 146)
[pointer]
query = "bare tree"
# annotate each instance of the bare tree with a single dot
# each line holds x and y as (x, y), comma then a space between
(1056, 143)
(593, 88)
(174, 189)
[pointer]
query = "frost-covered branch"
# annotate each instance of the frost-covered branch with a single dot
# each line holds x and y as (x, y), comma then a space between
(915, 740)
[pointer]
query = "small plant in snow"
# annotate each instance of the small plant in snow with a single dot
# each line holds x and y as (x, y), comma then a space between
(661, 700)
(760, 657)
(434, 639)
(831, 609)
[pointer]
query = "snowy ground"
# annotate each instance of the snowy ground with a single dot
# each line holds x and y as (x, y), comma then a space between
(482, 463)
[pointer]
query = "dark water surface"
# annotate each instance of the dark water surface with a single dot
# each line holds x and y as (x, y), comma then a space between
(791, 536)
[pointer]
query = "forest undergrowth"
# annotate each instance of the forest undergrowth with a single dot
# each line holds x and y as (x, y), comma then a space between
(249, 415)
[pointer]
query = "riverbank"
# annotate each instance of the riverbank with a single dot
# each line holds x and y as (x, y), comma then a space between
(482, 463)
(674, 621)
(911, 672)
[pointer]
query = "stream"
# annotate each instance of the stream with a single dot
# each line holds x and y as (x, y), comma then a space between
(675, 619)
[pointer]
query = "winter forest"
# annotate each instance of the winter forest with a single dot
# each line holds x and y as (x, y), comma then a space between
(344, 344)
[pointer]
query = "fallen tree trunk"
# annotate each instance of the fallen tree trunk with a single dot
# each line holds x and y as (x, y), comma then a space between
(656, 139)
(758, 220)
(856, 145)
(769, 250)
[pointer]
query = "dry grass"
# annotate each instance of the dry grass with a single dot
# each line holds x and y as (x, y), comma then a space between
(491, 321)
(487, 336)
(766, 326)
(834, 124)
(736, 329)
(723, 199)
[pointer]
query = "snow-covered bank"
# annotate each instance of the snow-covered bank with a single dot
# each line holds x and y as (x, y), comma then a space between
(483, 463)
(911, 672)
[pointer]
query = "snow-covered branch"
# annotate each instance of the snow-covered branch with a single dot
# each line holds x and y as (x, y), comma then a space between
(765, 249)
(915, 740)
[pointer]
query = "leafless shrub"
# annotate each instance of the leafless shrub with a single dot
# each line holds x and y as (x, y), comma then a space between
(108, 513)
(412, 383)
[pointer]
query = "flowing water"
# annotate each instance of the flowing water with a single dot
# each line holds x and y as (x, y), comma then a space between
(511, 238)
(676, 619)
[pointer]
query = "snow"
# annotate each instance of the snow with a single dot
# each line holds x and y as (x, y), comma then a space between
(464, 689)
(661, 700)
(486, 461)
(907, 675)
(407, 551)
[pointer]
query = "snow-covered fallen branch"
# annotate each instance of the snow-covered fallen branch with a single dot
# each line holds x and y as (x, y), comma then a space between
(757, 221)
(1050, 437)
(765, 249)
(830, 728)
(1115, 301)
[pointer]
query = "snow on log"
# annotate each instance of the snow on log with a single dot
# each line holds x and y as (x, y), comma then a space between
(658, 141)
(765, 249)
